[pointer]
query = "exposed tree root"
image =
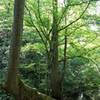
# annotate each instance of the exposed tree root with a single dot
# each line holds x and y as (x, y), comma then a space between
(28, 93)
(25, 92)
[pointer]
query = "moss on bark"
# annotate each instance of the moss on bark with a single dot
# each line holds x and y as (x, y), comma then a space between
(26, 92)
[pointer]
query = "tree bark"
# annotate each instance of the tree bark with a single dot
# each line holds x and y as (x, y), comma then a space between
(55, 75)
(17, 30)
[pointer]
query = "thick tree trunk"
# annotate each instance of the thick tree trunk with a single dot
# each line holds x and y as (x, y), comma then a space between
(11, 83)
(55, 76)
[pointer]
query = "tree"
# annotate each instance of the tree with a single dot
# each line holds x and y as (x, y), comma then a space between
(51, 40)
(13, 84)
(55, 75)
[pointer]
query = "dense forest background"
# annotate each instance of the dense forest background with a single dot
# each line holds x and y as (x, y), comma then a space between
(59, 48)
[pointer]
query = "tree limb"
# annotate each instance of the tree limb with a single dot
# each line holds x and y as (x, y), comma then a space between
(37, 29)
(75, 20)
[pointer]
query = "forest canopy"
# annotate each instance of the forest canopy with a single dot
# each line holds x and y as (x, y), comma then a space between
(49, 50)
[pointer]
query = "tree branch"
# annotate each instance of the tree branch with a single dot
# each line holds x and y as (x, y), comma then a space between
(67, 6)
(76, 19)
(37, 29)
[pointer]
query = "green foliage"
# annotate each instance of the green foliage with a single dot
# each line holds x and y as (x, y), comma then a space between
(78, 61)
(5, 96)
(83, 50)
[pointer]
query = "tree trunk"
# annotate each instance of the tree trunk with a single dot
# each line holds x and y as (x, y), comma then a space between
(11, 83)
(55, 76)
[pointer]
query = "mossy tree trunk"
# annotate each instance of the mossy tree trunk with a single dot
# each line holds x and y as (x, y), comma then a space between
(55, 75)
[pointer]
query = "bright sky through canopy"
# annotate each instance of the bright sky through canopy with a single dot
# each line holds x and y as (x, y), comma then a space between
(61, 2)
(92, 11)
(98, 8)
(95, 11)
